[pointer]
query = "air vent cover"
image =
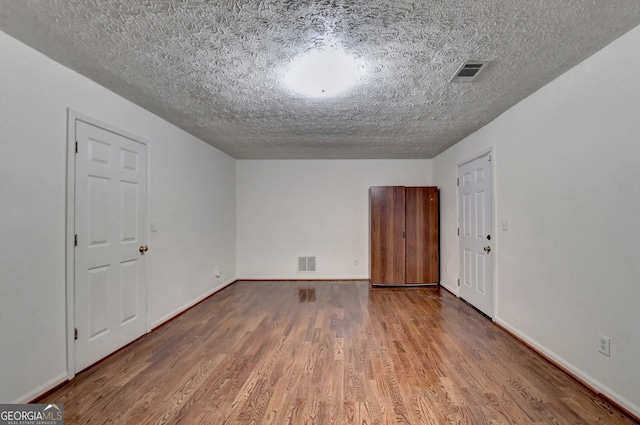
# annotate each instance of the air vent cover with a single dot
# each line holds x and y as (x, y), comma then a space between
(468, 72)
(306, 264)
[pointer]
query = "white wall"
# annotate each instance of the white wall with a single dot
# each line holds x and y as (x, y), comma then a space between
(566, 166)
(191, 197)
(315, 208)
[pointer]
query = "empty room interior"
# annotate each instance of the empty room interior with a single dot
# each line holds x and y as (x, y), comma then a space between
(188, 219)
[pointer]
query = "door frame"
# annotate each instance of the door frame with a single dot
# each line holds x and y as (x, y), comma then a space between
(494, 206)
(72, 117)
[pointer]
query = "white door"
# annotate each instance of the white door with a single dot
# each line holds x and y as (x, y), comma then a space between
(110, 215)
(475, 196)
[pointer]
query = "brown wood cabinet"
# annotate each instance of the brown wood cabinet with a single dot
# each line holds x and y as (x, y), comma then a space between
(404, 243)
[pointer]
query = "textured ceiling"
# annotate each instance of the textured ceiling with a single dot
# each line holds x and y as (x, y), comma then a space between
(215, 68)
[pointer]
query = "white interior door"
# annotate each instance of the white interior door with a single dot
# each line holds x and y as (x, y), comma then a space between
(110, 226)
(475, 193)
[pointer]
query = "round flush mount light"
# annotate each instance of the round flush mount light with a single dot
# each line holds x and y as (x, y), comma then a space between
(324, 72)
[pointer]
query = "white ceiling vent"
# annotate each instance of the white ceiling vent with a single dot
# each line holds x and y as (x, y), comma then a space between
(306, 264)
(468, 72)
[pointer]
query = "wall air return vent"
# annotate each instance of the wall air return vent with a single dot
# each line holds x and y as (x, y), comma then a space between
(468, 72)
(306, 264)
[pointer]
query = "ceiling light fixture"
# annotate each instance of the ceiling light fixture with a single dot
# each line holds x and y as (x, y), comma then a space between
(324, 72)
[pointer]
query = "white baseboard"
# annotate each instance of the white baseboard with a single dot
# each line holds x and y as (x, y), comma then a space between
(309, 276)
(187, 306)
(453, 290)
(47, 386)
(38, 391)
(585, 378)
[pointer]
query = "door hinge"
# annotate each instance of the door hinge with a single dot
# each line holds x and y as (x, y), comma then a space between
(458, 282)
(458, 181)
(458, 231)
(75, 240)
(75, 333)
(404, 235)
(76, 147)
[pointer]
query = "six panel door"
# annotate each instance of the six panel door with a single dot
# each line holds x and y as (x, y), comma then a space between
(475, 203)
(110, 211)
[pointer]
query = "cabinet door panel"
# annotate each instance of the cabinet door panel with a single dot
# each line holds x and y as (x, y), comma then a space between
(422, 259)
(387, 224)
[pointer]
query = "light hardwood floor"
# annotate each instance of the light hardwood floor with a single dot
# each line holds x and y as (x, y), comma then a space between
(329, 353)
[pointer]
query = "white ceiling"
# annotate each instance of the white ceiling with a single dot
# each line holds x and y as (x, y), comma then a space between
(215, 68)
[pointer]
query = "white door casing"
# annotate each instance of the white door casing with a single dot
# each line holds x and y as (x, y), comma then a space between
(475, 200)
(110, 299)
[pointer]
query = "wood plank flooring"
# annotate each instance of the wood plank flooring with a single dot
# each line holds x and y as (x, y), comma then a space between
(329, 353)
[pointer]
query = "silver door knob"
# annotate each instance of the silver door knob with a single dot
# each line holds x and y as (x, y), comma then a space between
(143, 249)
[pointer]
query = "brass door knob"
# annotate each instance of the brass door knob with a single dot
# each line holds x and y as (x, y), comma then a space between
(143, 249)
(487, 249)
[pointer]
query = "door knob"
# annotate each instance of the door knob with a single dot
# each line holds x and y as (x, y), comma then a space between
(143, 249)
(487, 249)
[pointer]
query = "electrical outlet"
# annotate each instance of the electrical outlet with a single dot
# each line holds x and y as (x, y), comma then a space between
(604, 345)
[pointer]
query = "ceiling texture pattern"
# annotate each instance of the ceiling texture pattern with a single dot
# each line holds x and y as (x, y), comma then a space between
(215, 68)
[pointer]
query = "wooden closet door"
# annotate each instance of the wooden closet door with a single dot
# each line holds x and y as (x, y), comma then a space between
(422, 259)
(387, 220)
